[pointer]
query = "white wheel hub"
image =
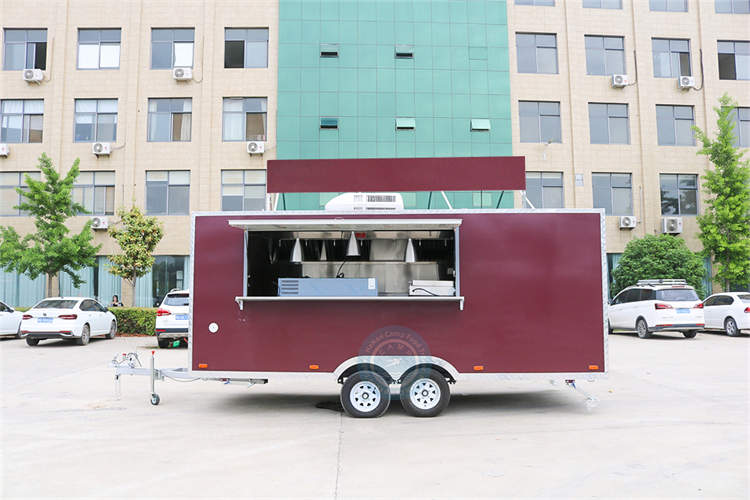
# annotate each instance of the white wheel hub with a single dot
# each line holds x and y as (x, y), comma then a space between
(424, 394)
(365, 396)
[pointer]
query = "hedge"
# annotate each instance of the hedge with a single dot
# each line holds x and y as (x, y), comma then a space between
(140, 320)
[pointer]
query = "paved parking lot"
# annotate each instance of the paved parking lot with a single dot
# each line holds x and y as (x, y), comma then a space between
(672, 421)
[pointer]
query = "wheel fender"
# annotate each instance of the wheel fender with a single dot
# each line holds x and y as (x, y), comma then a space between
(396, 366)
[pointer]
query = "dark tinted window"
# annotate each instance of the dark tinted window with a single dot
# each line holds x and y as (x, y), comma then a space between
(676, 294)
(744, 297)
(725, 300)
(711, 301)
(234, 54)
(647, 294)
(177, 299)
(56, 304)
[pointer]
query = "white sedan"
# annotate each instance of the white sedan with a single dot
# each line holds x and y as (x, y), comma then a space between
(10, 321)
(728, 311)
(78, 318)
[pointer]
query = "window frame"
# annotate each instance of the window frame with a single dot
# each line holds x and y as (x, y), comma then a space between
(246, 39)
(93, 189)
(733, 9)
(600, 5)
(539, 115)
(734, 53)
(25, 43)
(171, 113)
(244, 185)
(25, 121)
(667, 4)
(168, 183)
(550, 184)
(172, 42)
(96, 114)
(671, 55)
(536, 3)
(604, 54)
(246, 104)
(537, 47)
(612, 189)
(19, 183)
(741, 140)
(610, 118)
(695, 190)
(674, 121)
(99, 44)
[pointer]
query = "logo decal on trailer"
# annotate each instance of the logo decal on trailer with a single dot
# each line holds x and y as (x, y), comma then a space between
(394, 340)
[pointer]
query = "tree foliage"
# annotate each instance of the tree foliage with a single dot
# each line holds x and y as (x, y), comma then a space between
(655, 257)
(137, 239)
(49, 250)
(725, 226)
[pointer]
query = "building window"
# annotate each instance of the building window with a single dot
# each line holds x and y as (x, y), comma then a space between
(172, 48)
(741, 119)
(98, 49)
(168, 192)
(25, 49)
(537, 52)
(9, 197)
(549, 3)
(96, 120)
(539, 121)
(605, 55)
(602, 4)
(732, 6)
(169, 120)
(608, 123)
(668, 5)
(671, 57)
(96, 192)
(544, 189)
(246, 48)
(245, 118)
(675, 125)
(243, 190)
(679, 194)
(613, 193)
(734, 60)
(21, 120)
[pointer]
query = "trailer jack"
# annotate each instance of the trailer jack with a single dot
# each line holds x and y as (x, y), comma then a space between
(130, 364)
(591, 401)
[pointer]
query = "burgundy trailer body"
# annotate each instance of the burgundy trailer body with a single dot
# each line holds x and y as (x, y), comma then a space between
(530, 298)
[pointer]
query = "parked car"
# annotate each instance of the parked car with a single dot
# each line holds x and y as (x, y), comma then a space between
(172, 318)
(76, 318)
(728, 311)
(10, 321)
(657, 305)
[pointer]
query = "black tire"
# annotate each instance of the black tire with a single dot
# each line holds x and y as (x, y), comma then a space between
(155, 399)
(642, 328)
(365, 394)
(610, 331)
(425, 393)
(32, 342)
(112, 330)
(163, 343)
(730, 327)
(85, 335)
(690, 334)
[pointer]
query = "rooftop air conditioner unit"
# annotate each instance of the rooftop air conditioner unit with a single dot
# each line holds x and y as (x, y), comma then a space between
(619, 81)
(33, 75)
(256, 147)
(101, 148)
(366, 201)
(671, 225)
(99, 222)
(628, 222)
(182, 74)
(686, 82)
(4, 150)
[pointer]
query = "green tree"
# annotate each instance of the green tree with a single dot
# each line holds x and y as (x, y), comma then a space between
(137, 239)
(725, 226)
(655, 257)
(49, 250)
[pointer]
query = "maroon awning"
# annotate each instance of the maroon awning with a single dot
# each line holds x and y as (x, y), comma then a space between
(397, 174)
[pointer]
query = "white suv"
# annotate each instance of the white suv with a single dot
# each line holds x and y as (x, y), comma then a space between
(657, 305)
(173, 317)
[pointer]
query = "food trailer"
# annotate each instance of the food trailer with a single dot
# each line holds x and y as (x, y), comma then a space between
(414, 300)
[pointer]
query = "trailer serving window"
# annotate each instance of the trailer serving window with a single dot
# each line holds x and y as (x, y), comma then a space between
(351, 259)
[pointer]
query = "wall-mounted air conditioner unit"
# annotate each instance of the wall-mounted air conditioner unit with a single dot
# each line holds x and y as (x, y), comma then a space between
(182, 74)
(4, 150)
(33, 75)
(101, 148)
(628, 222)
(256, 147)
(686, 82)
(619, 81)
(671, 225)
(99, 222)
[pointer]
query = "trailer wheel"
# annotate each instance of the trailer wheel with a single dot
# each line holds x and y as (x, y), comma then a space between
(155, 399)
(365, 394)
(425, 393)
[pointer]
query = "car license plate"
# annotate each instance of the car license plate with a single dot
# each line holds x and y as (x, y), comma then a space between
(44, 320)
(182, 317)
(683, 311)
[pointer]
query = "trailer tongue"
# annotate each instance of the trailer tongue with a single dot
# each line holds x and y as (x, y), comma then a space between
(413, 299)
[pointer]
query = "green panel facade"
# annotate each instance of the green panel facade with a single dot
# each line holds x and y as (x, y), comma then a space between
(432, 65)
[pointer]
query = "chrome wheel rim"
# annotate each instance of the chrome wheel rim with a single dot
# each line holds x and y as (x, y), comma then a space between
(731, 327)
(365, 396)
(424, 394)
(641, 328)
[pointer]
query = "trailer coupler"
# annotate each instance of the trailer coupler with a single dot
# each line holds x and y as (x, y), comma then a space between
(130, 364)
(591, 401)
